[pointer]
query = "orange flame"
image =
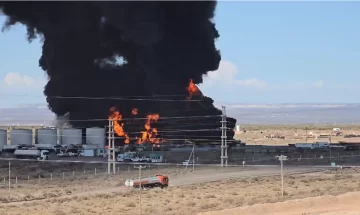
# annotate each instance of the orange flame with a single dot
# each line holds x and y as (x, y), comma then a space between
(134, 111)
(118, 127)
(150, 133)
(192, 89)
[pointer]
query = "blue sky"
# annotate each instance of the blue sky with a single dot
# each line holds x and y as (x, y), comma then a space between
(273, 52)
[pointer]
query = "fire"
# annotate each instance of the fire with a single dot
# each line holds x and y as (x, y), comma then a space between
(149, 134)
(192, 89)
(118, 127)
(134, 111)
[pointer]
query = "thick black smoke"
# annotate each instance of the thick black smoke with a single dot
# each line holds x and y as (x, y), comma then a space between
(163, 45)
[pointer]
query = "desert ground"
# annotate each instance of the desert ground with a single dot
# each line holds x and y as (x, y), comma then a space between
(206, 190)
(270, 134)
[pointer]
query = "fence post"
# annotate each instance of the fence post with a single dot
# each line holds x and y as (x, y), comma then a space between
(4, 181)
(118, 169)
(50, 176)
(73, 173)
(128, 169)
(84, 171)
(63, 176)
(39, 178)
(28, 178)
(95, 171)
(16, 180)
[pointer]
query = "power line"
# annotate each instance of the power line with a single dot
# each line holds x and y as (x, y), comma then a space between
(132, 96)
(127, 99)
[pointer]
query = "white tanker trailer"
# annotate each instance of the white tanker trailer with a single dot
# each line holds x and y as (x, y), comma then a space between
(32, 154)
(149, 182)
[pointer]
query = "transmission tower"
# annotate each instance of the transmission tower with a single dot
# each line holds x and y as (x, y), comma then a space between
(111, 148)
(224, 154)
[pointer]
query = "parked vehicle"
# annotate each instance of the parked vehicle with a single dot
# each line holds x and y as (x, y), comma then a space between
(32, 153)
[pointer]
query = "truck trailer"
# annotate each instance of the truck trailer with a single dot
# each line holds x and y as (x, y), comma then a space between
(161, 181)
(32, 154)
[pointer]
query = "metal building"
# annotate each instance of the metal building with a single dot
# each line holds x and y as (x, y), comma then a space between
(96, 136)
(3, 138)
(70, 136)
(46, 136)
(21, 137)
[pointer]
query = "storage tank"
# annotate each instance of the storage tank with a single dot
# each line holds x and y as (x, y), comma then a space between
(21, 137)
(96, 136)
(70, 136)
(3, 139)
(46, 136)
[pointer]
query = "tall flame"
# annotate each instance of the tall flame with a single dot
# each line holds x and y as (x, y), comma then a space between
(149, 134)
(192, 89)
(118, 127)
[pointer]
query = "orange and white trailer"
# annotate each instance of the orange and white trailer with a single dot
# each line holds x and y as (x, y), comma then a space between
(148, 182)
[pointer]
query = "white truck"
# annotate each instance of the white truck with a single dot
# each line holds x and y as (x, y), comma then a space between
(32, 153)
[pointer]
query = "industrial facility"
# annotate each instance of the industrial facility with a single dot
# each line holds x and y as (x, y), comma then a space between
(90, 140)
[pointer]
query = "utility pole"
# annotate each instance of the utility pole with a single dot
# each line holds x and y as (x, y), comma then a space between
(192, 155)
(9, 176)
(193, 160)
(282, 158)
(140, 167)
(111, 148)
(224, 157)
(330, 147)
(306, 137)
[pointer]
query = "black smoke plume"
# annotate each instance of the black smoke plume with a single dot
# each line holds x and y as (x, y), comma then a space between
(162, 44)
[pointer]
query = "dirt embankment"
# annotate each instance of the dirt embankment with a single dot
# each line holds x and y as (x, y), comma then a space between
(345, 204)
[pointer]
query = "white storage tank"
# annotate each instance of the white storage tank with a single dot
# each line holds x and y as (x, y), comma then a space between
(70, 136)
(46, 136)
(21, 137)
(3, 139)
(96, 136)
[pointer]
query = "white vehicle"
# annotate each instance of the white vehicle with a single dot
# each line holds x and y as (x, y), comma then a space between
(126, 157)
(62, 154)
(187, 162)
(68, 154)
(154, 158)
(32, 153)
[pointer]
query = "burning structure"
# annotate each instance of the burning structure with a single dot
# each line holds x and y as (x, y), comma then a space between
(140, 60)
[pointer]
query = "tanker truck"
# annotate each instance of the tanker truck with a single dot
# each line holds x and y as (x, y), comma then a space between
(32, 154)
(161, 181)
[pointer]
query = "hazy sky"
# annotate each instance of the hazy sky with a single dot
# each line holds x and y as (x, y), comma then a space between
(273, 52)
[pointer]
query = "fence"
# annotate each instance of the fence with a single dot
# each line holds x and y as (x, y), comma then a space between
(19, 175)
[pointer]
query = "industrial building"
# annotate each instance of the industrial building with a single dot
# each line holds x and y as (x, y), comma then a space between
(92, 140)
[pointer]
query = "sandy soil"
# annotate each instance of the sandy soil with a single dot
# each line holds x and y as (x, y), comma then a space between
(256, 134)
(105, 195)
(345, 204)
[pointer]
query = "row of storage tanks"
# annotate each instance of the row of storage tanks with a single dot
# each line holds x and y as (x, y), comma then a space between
(66, 136)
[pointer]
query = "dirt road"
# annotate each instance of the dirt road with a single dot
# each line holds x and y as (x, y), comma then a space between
(198, 176)
(346, 204)
(208, 176)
